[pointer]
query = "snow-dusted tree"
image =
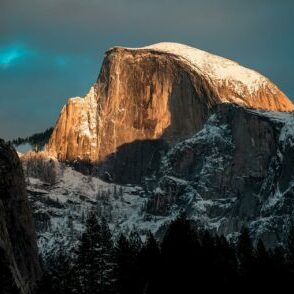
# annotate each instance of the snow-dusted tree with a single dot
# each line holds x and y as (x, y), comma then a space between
(121, 192)
(70, 226)
(108, 266)
(50, 172)
(39, 167)
(88, 255)
(135, 241)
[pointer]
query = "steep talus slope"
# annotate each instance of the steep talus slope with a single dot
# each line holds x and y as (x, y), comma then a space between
(236, 171)
(17, 235)
(163, 91)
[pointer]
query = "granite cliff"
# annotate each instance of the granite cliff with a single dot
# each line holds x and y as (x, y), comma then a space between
(236, 171)
(160, 92)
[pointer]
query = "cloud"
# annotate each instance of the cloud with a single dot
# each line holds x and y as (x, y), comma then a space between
(12, 54)
(22, 58)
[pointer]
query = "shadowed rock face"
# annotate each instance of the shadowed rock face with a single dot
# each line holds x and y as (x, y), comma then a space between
(164, 91)
(132, 162)
(238, 170)
(17, 235)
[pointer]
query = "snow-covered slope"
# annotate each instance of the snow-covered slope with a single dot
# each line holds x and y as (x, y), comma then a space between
(60, 210)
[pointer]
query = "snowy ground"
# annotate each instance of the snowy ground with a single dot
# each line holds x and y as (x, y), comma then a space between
(60, 210)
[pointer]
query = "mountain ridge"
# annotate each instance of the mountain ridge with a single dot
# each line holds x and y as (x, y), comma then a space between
(149, 93)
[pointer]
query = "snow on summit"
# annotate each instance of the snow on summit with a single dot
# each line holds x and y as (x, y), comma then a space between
(216, 66)
(218, 69)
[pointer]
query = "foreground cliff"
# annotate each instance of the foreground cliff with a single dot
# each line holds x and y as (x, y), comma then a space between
(164, 91)
(17, 235)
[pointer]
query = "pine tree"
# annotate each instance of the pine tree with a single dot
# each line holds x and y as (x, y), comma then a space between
(262, 268)
(106, 234)
(281, 273)
(58, 276)
(135, 242)
(108, 266)
(88, 263)
(150, 263)
(70, 226)
(208, 243)
(115, 192)
(262, 255)
(95, 267)
(225, 264)
(290, 248)
(180, 252)
(121, 192)
(245, 253)
(127, 270)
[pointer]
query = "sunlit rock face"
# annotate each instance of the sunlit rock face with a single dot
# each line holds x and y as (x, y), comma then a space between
(164, 91)
(17, 234)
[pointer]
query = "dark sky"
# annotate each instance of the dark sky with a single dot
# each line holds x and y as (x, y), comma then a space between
(52, 49)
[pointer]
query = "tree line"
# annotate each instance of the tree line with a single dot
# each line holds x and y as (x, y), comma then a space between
(37, 141)
(187, 260)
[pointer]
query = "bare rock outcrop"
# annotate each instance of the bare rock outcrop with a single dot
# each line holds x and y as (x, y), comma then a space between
(164, 91)
(17, 234)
